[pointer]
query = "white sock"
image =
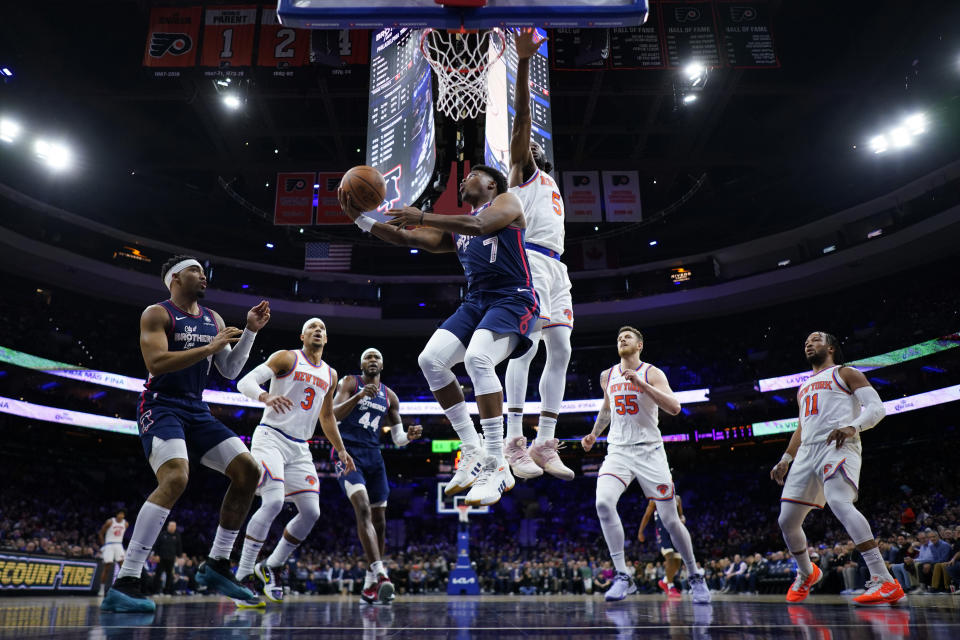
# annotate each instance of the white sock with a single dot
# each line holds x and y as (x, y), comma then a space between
(376, 568)
(618, 562)
(462, 423)
(546, 429)
(876, 564)
(514, 424)
(493, 437)
(803, 562)
(248, 556)
(370, 578)
(281, 553)
(145, 531)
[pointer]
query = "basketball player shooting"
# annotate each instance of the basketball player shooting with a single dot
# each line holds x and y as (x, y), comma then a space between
(837, 404)
(301, 393)
(544, 213)
(635, 451)
(492, 324)
(180, 340)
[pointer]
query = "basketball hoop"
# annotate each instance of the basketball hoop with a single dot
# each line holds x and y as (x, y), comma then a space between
(464, 513)
(462, 59)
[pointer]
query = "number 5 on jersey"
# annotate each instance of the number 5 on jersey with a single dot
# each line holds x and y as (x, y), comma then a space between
(626, 405)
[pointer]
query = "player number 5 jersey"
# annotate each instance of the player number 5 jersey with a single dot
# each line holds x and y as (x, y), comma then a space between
(305, 385)
(825, 404)
(543, 210)
(634, 415)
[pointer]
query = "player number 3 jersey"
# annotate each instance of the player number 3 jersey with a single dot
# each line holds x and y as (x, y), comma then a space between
(825, 404)
(634, 415)
(305, 385)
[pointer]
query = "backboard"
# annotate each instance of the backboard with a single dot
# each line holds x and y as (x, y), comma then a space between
(449, 504)
(452, 14)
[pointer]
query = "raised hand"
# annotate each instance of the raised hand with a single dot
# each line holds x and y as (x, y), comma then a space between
(258, 316)
(405, 217)
(227, 335)
(528, 41)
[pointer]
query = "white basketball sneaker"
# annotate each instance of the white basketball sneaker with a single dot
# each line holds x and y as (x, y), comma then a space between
(521, 464)
(493, 481)
(622, 587)
(471, 464)
(699, 589)
(545, 456)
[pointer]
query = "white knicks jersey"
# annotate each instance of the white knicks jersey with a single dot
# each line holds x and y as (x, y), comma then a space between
(825, 404)
(305, 385)
(115, 531)
(634, 415)
(543, 211)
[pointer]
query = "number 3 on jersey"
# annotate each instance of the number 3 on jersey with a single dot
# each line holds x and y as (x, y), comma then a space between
(810, 407)
(307, 402)
(369, 424)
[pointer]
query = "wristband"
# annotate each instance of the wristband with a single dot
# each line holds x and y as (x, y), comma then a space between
(786, 457)
(365, 222)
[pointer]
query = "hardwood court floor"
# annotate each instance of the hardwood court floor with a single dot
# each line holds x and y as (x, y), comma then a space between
(500, 617)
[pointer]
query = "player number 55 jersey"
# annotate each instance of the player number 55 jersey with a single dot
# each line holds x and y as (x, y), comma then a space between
(634, 415)
(825, 404)
(305, 385)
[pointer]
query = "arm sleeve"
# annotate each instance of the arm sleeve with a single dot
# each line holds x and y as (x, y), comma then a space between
(250, 385)
(231, 360)
(872, 411)
(399, 435)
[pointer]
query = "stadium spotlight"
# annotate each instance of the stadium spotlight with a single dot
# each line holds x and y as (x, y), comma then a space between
(231, 101)
(695, 73)
(55, 154)
(900, 137)
(9, 130)
(690, 97)
(879, 144)
(916, 124)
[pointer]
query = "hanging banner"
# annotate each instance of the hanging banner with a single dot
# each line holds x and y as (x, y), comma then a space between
(594, 254)
(621, 196)
(294, 203)
(282, 48)
(581, 196)
(228, 34)
(326, 202)
(172, 38)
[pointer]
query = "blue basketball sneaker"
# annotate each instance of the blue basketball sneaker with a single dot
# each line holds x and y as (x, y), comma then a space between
(125, 596)
(215, 574)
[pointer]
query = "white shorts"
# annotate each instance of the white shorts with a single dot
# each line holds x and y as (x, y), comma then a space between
(285, 461)
(815, 464)
(552, 284)
(113, 552)
(645, 463)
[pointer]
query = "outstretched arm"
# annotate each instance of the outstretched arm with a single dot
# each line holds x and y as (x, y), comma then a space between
(329, 425)
(432, 240)
(278, 364)
(505, 210)
(400, 436)
(230, 360)
(522, 165)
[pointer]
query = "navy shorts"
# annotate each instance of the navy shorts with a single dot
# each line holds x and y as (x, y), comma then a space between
(371, 472)
(500, 311)
(169, 418)
(663, 537)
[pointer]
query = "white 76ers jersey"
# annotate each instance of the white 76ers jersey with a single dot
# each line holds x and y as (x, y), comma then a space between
(825, 404)
(543, 211)
(634, 415)
(305, 385)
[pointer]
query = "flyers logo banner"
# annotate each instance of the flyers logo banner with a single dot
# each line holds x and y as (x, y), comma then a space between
(328, 206)
(23, 572)
(172, 37)
(294, 203)
(581, 194)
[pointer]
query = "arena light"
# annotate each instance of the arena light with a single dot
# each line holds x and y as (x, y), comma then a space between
(269, 245)
(875, 233)
(830, 249)
(900, 137)
(414, 251)
(652, 243)
(916, 124)
(6, 72)
(689, 98)
(57, 155)
(783, 263)
(232, 102)
(879, 144)
(9, 130)
(695, 72)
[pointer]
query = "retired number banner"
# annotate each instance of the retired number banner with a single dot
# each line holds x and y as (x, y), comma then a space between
(621, 196)
(581, 196)
(228, 34)
(294, 204)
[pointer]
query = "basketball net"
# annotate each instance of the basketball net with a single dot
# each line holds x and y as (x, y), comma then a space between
(462, 60)
(464, 514)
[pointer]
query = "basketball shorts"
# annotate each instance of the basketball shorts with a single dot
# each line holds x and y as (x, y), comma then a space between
(817, 463)
(644, 462)
(284, 460)
(512, 310)
(371, 474)
(663, 539)
(552, 284)
(179, 427)
(113, 552)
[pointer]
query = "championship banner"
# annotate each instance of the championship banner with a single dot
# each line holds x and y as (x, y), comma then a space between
(172, 38)
(621, 196)
(228, 34)
(294, 203)
(282, 48)
(20, 572)
(581, 196)
(328, 206)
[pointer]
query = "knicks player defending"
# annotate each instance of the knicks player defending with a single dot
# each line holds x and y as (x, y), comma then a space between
(111, 545)
(639, 390)
(543, 211)
(671, 560)
(301, 393)
(363, 406)
(180, 340)
(492, 324)
(837, 403)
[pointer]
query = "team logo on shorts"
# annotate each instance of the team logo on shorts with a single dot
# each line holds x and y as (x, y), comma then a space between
(662, 488)
(311, 480)
(569, 315)
(826, 468)
(146, 421)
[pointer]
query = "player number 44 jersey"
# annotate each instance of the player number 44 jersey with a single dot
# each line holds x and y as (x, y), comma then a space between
(634, 416)
(305, 385)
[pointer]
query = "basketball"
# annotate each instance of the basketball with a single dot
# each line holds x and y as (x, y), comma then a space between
(366, 187)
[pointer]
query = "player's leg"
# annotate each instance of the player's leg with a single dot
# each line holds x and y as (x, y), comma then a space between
(610, 486)
(107, 577)
(515, 447)
(553, 382)
(271, 490)
(377, 584)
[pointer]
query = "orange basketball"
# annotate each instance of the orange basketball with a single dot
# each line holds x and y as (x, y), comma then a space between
(366, 187)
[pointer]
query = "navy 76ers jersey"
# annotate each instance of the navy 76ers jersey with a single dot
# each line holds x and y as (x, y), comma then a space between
(494, 260)
(361, 427)
(186, 332)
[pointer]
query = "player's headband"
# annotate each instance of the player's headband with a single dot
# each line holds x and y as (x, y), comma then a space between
(307, 324)
(177, 268)
(369, 351)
